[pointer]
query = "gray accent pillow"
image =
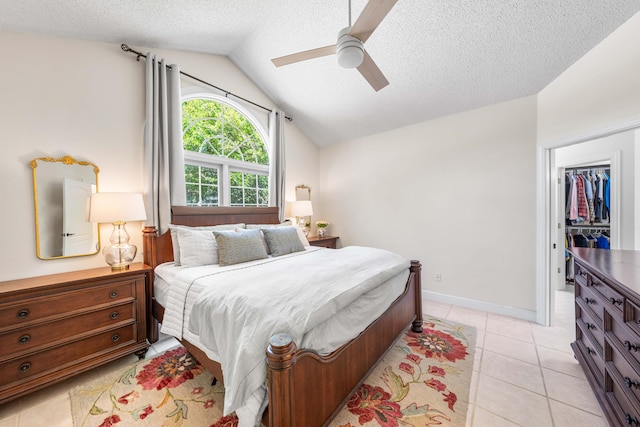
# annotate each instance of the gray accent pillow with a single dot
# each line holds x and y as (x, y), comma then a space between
(261, 226)
(239, 246)
(282, 240)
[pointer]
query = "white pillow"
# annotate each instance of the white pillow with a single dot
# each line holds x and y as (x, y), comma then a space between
(197, 247)
(174, 235)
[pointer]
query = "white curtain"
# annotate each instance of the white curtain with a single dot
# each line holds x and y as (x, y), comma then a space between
(277, 163)
(163, 153)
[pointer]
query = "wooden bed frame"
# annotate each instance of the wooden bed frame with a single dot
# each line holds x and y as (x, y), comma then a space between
(304, 388)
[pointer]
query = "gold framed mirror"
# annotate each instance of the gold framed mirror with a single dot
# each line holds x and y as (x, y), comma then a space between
(61, 192)
(303, 192)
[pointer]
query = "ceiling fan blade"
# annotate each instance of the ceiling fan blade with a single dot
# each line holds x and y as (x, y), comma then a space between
(371, 16)
(372, 73)
(303, 56)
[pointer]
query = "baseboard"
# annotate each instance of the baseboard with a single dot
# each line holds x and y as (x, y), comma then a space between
(503, 310)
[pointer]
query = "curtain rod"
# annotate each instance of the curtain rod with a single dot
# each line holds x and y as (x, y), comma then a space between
(126, 48)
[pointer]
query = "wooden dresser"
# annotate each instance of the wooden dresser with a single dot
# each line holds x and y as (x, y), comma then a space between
(56, 326)
(607, 288)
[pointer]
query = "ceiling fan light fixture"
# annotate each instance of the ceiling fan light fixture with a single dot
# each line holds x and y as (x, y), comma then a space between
(350, 50)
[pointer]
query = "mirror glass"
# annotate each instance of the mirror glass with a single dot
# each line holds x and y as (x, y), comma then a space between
(303, 192)
(61, 193)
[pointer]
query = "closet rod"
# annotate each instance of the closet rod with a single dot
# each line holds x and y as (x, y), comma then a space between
(126, 48)
(587, 167)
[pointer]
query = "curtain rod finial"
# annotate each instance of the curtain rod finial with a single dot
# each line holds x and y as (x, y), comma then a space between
(125, 47)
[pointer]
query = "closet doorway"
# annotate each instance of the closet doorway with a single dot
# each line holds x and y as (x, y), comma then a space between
(618, 153)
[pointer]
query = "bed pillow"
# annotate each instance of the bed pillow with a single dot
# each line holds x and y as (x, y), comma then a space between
(287, 223)
(282, 240)
(239, 246)
(174, 235)
(197, 247)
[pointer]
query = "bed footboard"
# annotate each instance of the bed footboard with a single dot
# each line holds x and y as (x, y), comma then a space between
(305, 388)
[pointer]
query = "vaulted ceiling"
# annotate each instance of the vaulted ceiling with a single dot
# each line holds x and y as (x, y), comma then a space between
(440, 56)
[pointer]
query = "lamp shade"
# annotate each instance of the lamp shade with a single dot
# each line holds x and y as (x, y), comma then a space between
(302, 208)
(114, 207)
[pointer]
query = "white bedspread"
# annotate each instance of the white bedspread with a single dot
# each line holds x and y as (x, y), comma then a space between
(235, 317)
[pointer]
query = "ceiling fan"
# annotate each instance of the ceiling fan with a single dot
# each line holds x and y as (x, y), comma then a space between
(350, 45)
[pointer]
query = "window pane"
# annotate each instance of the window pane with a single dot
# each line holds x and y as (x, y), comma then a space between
(263, 198)
(236, 197)
(236, 179)
(250, 180)
(209, 176)
(250, 197)
(263, 181)
(193, 195)
(209, 196)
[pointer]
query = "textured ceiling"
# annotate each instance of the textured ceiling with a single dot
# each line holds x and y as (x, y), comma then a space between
(440, 56)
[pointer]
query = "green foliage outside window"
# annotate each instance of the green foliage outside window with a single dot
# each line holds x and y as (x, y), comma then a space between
(219, 130)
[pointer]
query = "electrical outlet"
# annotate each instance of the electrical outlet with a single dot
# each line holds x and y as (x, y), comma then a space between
(438, 277)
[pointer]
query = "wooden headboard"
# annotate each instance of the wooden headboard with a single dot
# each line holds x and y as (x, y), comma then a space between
(158, 248)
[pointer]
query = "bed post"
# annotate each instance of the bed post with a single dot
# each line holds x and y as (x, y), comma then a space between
(150, 250)
(280, 358)
(416, 269)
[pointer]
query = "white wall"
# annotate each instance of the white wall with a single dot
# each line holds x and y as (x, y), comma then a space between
(601, 89)
(86, 99)
(456, 193)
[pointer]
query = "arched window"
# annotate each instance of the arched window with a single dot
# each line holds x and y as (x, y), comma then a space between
(226, 157)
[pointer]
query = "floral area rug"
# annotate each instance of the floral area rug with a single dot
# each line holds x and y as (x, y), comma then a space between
(423, 380)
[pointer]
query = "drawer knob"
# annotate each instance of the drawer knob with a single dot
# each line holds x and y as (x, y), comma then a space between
(115, 338)
(22, 314)
(590, 326)
(630, 346)
(589, 300)
(24, 367)
(113, 294)
(114, 315)
(615, 301)
(631, 383)
(631, 419)
(24, 339)
(590, 351)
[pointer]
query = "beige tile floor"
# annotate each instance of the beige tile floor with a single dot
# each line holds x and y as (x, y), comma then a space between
(524, 375)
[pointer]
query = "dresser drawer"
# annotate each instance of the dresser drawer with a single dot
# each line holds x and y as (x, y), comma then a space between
(30, 366)
(624, 404)
(42, 309)
(609, 294)
(592, 356)
(590, 328)
(620, 369)
(625, 341)
(580, 274)
(591, 302)
(31, 338)
(632, 318)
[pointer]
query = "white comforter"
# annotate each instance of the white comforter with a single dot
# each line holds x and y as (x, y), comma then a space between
(235, 314)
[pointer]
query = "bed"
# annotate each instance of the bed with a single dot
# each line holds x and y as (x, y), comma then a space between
(304, 388)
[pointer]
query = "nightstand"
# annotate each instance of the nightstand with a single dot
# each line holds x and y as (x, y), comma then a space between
(326, 242)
